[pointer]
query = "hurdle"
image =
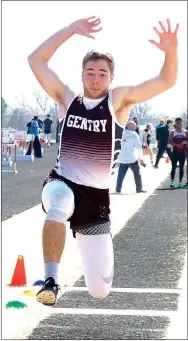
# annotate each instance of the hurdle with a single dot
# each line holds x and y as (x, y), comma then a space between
(21, 155)
(9, 162)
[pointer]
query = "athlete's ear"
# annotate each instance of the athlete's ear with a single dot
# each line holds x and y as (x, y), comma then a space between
(111, 77)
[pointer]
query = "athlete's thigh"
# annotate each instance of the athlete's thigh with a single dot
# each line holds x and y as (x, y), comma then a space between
(174, 158)
(182, 159)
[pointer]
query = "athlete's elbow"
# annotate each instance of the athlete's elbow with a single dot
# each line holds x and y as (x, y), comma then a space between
(34, 60)
(31, 60)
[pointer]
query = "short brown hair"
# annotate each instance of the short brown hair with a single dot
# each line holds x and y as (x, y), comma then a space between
(95, 55)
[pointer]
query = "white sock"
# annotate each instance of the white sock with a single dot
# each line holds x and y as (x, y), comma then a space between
(51, 270)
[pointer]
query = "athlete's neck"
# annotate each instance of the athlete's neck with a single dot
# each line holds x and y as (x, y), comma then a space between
(90, 96)
(179, 130)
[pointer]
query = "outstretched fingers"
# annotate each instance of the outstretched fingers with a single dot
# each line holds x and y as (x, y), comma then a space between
(89, 36)
(91, 18)
(154, 42)
(96, 22)
(157, 31)
(96, 29)
(169, 26)
(176, 29)
(162, 27)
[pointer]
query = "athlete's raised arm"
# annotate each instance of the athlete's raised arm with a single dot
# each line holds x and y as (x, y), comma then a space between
(128, 95)
(38, 60)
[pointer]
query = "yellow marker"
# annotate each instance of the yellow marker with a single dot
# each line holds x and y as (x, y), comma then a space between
(28, 293)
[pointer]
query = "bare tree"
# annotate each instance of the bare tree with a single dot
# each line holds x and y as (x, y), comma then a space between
(41, 102)
(141, 110)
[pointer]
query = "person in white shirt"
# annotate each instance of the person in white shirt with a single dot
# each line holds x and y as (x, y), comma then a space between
(130, 156)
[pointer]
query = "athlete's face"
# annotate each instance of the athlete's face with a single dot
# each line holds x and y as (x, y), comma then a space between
(179, 124)
(96, 78)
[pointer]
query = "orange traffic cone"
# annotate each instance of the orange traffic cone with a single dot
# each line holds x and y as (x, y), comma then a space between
(19, 276)
(167, 159)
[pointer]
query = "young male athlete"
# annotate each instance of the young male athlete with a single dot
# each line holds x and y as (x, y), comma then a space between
(77, 189)
(179, 140)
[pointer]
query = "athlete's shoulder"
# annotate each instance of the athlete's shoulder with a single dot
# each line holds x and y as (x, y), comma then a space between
(119, 94)
(76, 99)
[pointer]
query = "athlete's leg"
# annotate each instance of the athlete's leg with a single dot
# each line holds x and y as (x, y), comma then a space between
(169, 153)
(49, 138)
(121, 174)
(182, 163)
(58, 202)
(45, 138)
(98, 262)
(174, 165)
(150, 154)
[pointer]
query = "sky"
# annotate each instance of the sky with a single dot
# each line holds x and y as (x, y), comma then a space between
(127, 28)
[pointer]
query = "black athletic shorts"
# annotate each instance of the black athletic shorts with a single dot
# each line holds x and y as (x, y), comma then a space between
(92, 205)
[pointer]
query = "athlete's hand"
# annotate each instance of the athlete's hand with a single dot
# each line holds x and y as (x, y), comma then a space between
(168, 39)
(180, 145)
(142, 163)
(87, 26)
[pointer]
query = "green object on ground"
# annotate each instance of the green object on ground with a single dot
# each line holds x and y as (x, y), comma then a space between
(16, 304)
(172, 184)
(181, 186)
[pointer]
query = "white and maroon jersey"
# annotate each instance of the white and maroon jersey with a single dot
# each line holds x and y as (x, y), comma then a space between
(88, 147)
(178, 138)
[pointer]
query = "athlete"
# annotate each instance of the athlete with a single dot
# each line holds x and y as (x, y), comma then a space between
(77, 189)
(147, 141)
(178, 139)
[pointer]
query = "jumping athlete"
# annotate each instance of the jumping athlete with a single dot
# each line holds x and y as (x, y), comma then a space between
(77, 189)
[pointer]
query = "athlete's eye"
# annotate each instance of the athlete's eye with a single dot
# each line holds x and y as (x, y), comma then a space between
(103, 75)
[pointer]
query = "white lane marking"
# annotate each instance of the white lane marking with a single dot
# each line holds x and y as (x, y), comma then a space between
(131, 290)
(177, 329)
(120, 312)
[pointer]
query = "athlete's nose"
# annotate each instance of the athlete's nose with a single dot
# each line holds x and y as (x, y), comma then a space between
(95, 81)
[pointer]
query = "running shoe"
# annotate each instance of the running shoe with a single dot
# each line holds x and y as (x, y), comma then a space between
(172, 184)
(181, 185)
(48, 294)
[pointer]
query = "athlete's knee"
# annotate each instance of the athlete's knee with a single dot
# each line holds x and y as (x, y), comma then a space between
(99, 293)
(58, 201)
(99, 290)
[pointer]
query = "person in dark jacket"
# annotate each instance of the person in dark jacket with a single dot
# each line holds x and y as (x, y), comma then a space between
(40, 123)
(135, 119)
(47, 130)
(162, 136)
(34, 131)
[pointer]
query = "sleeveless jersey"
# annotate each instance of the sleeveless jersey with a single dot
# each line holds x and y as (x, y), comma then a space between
(178, 138)
(89, 143)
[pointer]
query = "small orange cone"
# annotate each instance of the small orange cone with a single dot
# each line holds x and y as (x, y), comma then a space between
(19, 276)
(167, 159)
